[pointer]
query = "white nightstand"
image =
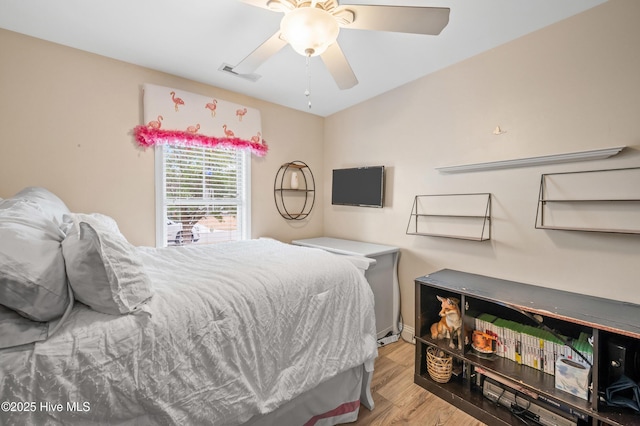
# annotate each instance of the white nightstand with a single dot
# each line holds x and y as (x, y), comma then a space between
(382, 276)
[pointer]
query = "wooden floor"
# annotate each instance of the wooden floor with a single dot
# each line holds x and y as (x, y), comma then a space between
(399, 401)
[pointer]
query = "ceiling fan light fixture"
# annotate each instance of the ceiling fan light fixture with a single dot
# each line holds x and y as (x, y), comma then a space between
(309, 30)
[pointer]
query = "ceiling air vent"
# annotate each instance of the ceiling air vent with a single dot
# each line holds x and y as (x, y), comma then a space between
(229, 70)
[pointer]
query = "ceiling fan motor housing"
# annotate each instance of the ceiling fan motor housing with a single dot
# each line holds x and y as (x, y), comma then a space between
(309, 30)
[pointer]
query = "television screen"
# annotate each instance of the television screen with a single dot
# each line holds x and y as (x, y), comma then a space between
(361, 186)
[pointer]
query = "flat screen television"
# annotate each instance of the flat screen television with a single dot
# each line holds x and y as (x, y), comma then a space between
(358, 186)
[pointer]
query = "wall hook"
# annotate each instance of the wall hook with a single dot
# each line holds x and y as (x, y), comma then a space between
(498, 131)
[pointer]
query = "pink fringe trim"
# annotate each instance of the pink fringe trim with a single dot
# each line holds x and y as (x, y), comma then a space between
(146, 137)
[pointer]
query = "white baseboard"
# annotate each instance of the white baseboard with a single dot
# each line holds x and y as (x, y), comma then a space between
(408, 333)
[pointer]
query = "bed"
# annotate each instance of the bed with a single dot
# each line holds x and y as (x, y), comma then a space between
(253, 332)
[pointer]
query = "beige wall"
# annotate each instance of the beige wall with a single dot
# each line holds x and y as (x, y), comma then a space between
(570, 87)
(65, 124)
(66, 116)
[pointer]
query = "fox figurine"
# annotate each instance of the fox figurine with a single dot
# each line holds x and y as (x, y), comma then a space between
(450, 324)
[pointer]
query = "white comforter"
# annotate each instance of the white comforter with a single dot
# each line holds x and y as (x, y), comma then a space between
(232, 331)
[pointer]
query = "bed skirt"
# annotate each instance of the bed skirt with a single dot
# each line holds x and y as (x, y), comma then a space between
(333, 402)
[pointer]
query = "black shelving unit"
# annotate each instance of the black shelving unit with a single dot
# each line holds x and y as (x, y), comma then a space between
(567, 313)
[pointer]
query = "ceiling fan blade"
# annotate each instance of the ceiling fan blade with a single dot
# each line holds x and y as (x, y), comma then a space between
(339, 67)
(260, 54)
(402, 19)
(277, 5)
(257, 3)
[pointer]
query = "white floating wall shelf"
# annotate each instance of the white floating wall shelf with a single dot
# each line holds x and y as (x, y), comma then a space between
(596, 154)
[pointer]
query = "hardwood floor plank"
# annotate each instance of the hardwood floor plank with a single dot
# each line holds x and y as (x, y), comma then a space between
(384, 372)
(399, 401)
(403, 355)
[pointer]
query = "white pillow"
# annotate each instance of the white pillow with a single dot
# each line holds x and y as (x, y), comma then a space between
(104, 269)
(47, 202)
(33, 279)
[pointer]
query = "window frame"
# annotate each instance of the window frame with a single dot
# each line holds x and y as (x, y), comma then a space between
(244, 203)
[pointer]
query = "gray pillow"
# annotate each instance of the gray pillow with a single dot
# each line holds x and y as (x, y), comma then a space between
(16, 330)
(33, 279)
(105, 271)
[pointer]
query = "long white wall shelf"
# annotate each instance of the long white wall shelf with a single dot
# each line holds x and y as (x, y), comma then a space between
(595, 154)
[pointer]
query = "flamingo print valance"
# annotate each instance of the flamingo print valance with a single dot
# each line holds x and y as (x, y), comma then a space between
(176, 117)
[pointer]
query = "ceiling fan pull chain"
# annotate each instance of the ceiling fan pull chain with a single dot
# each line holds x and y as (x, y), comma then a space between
(307, 92)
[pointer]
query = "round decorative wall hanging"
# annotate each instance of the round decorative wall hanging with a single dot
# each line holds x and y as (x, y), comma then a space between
(294, 190)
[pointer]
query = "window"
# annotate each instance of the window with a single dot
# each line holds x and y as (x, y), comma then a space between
(203, 195)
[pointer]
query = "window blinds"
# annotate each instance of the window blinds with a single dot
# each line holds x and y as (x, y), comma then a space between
(204, 194)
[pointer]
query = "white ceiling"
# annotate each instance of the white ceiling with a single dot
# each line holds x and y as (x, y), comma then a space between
(194, 38)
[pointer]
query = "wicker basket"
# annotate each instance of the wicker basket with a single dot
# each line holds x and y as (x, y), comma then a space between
(438, 364)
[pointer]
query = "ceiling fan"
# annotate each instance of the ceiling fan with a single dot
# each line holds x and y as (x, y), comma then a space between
(311, 27)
